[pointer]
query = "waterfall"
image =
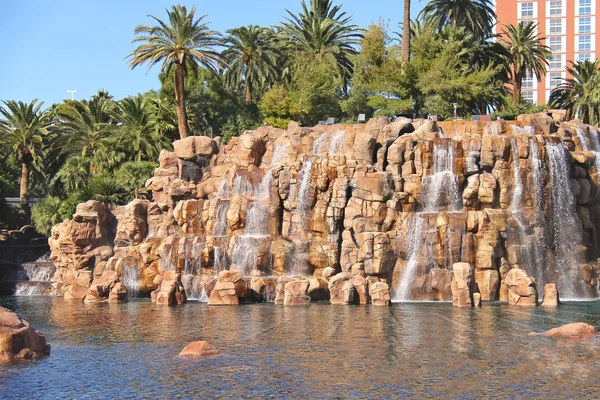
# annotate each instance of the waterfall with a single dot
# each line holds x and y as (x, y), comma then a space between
(564, 221)
(515, 203)
(537, 165)
(415, 241)
(491, 128)
(527, 130)
(337, 142)
(194, 288)
(303, 188)
(442, 186)
(130, 277)
(34, 278)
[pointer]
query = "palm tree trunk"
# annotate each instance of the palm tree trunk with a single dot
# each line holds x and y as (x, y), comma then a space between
(406, 32)
(517, 88)
(248, 90)
(182, 118)
(24, 179)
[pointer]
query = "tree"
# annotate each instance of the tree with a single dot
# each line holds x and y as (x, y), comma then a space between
(137, 133)
(477, 16)
(185, 43)
(580, 94)
(252, 58)
(406, 33)
(527, 53)
(321, 30)
(22, 132)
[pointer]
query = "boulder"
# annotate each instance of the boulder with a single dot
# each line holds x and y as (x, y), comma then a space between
(550, 296)
(296, 293)
(199, 349)
(572, 331)
(521, 288)
(101, 288)
(171, 291)
(380, 294)
(229, 289)
(342, 290)
(462, 285)
(18, 340)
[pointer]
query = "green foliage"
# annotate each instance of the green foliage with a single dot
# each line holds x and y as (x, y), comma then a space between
(132, 176)
(580, 95)
(511, 111)
(477, 16)
(46, 214)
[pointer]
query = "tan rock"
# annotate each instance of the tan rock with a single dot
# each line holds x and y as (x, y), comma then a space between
(380, 294)
(570, 331)
(296, 293)
(199, 349)
(551, 298)
(462, 285)
(521, 288)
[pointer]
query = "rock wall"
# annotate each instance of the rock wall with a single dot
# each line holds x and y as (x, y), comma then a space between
(362, 208)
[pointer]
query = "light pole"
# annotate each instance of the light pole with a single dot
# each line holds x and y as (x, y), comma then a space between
(455, 106)
(414, 103)
(72, 93)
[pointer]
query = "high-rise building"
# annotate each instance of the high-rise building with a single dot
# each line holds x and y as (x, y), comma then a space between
(570, 28)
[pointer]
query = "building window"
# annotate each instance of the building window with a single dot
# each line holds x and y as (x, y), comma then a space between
(555, 79)
(585, 7)
(584, 57)
(526, 10)
(585, 44)
(527, 96)
(585, 25)
(555, 62)
(527, 82)
(555, 26)
(555, 44)
(556, 8)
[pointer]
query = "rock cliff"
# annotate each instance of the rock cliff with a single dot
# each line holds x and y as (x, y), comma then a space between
(351, 213)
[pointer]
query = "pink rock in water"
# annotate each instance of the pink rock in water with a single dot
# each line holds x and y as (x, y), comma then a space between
(199, 349)
(572, 331)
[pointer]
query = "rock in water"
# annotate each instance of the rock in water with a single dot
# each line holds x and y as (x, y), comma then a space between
(18, 340)
(199, 349)
(551, 298)
(572, 331)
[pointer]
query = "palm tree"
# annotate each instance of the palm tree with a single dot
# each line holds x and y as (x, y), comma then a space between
(185, 42)
(527, 53)
(580, 94)
(406, 30)
(322, 30)
(85, 127)
(137, 132)
(22, 132)
(477, 16)
(252, 57)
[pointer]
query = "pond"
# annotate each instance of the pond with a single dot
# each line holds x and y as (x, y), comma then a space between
(408, 350)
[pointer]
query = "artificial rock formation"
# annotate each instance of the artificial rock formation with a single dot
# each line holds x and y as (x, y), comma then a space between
(360, 214)
(18, 340)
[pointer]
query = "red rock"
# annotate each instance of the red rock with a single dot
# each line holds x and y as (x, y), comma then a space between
(18, 340)
(199, 349)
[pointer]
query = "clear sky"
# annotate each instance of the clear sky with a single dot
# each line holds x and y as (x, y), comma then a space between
(51, 46)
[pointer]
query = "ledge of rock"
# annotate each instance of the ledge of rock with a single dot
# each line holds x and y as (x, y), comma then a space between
(18, 340)
(573, 331)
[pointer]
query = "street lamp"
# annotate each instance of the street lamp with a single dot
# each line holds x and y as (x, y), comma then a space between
(455, 107)
(414, 103)
(72, 93)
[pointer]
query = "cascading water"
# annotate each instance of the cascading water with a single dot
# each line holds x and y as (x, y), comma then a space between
(563, 219)
(491, 128)
(590, 144)
(526, 130)
(415, 241)
(130, 276)
(515, 203)
(442, 186)
(34, 278)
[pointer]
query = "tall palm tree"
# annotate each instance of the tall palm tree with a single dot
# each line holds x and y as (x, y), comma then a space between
(580, 94)
(85, 124)
(252, 57)
(137, 132)
(527, 53)
(406, 32)
(477, 16)
(22, 132)
(184, 42)
(322, 29)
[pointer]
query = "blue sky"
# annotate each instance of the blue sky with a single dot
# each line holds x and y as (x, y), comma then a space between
(51, 46)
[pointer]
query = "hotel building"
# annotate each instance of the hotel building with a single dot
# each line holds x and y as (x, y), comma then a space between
(570, 28)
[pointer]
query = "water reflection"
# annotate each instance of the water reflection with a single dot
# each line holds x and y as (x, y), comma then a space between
(317, 351)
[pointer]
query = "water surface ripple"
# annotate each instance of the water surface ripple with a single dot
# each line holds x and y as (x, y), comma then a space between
(410, 350)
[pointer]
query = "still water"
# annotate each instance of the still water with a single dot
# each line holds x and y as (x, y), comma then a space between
(411, 350)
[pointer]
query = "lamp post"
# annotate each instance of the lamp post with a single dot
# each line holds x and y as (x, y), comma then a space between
(72, 93)
(455, 107)
(414, 103)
